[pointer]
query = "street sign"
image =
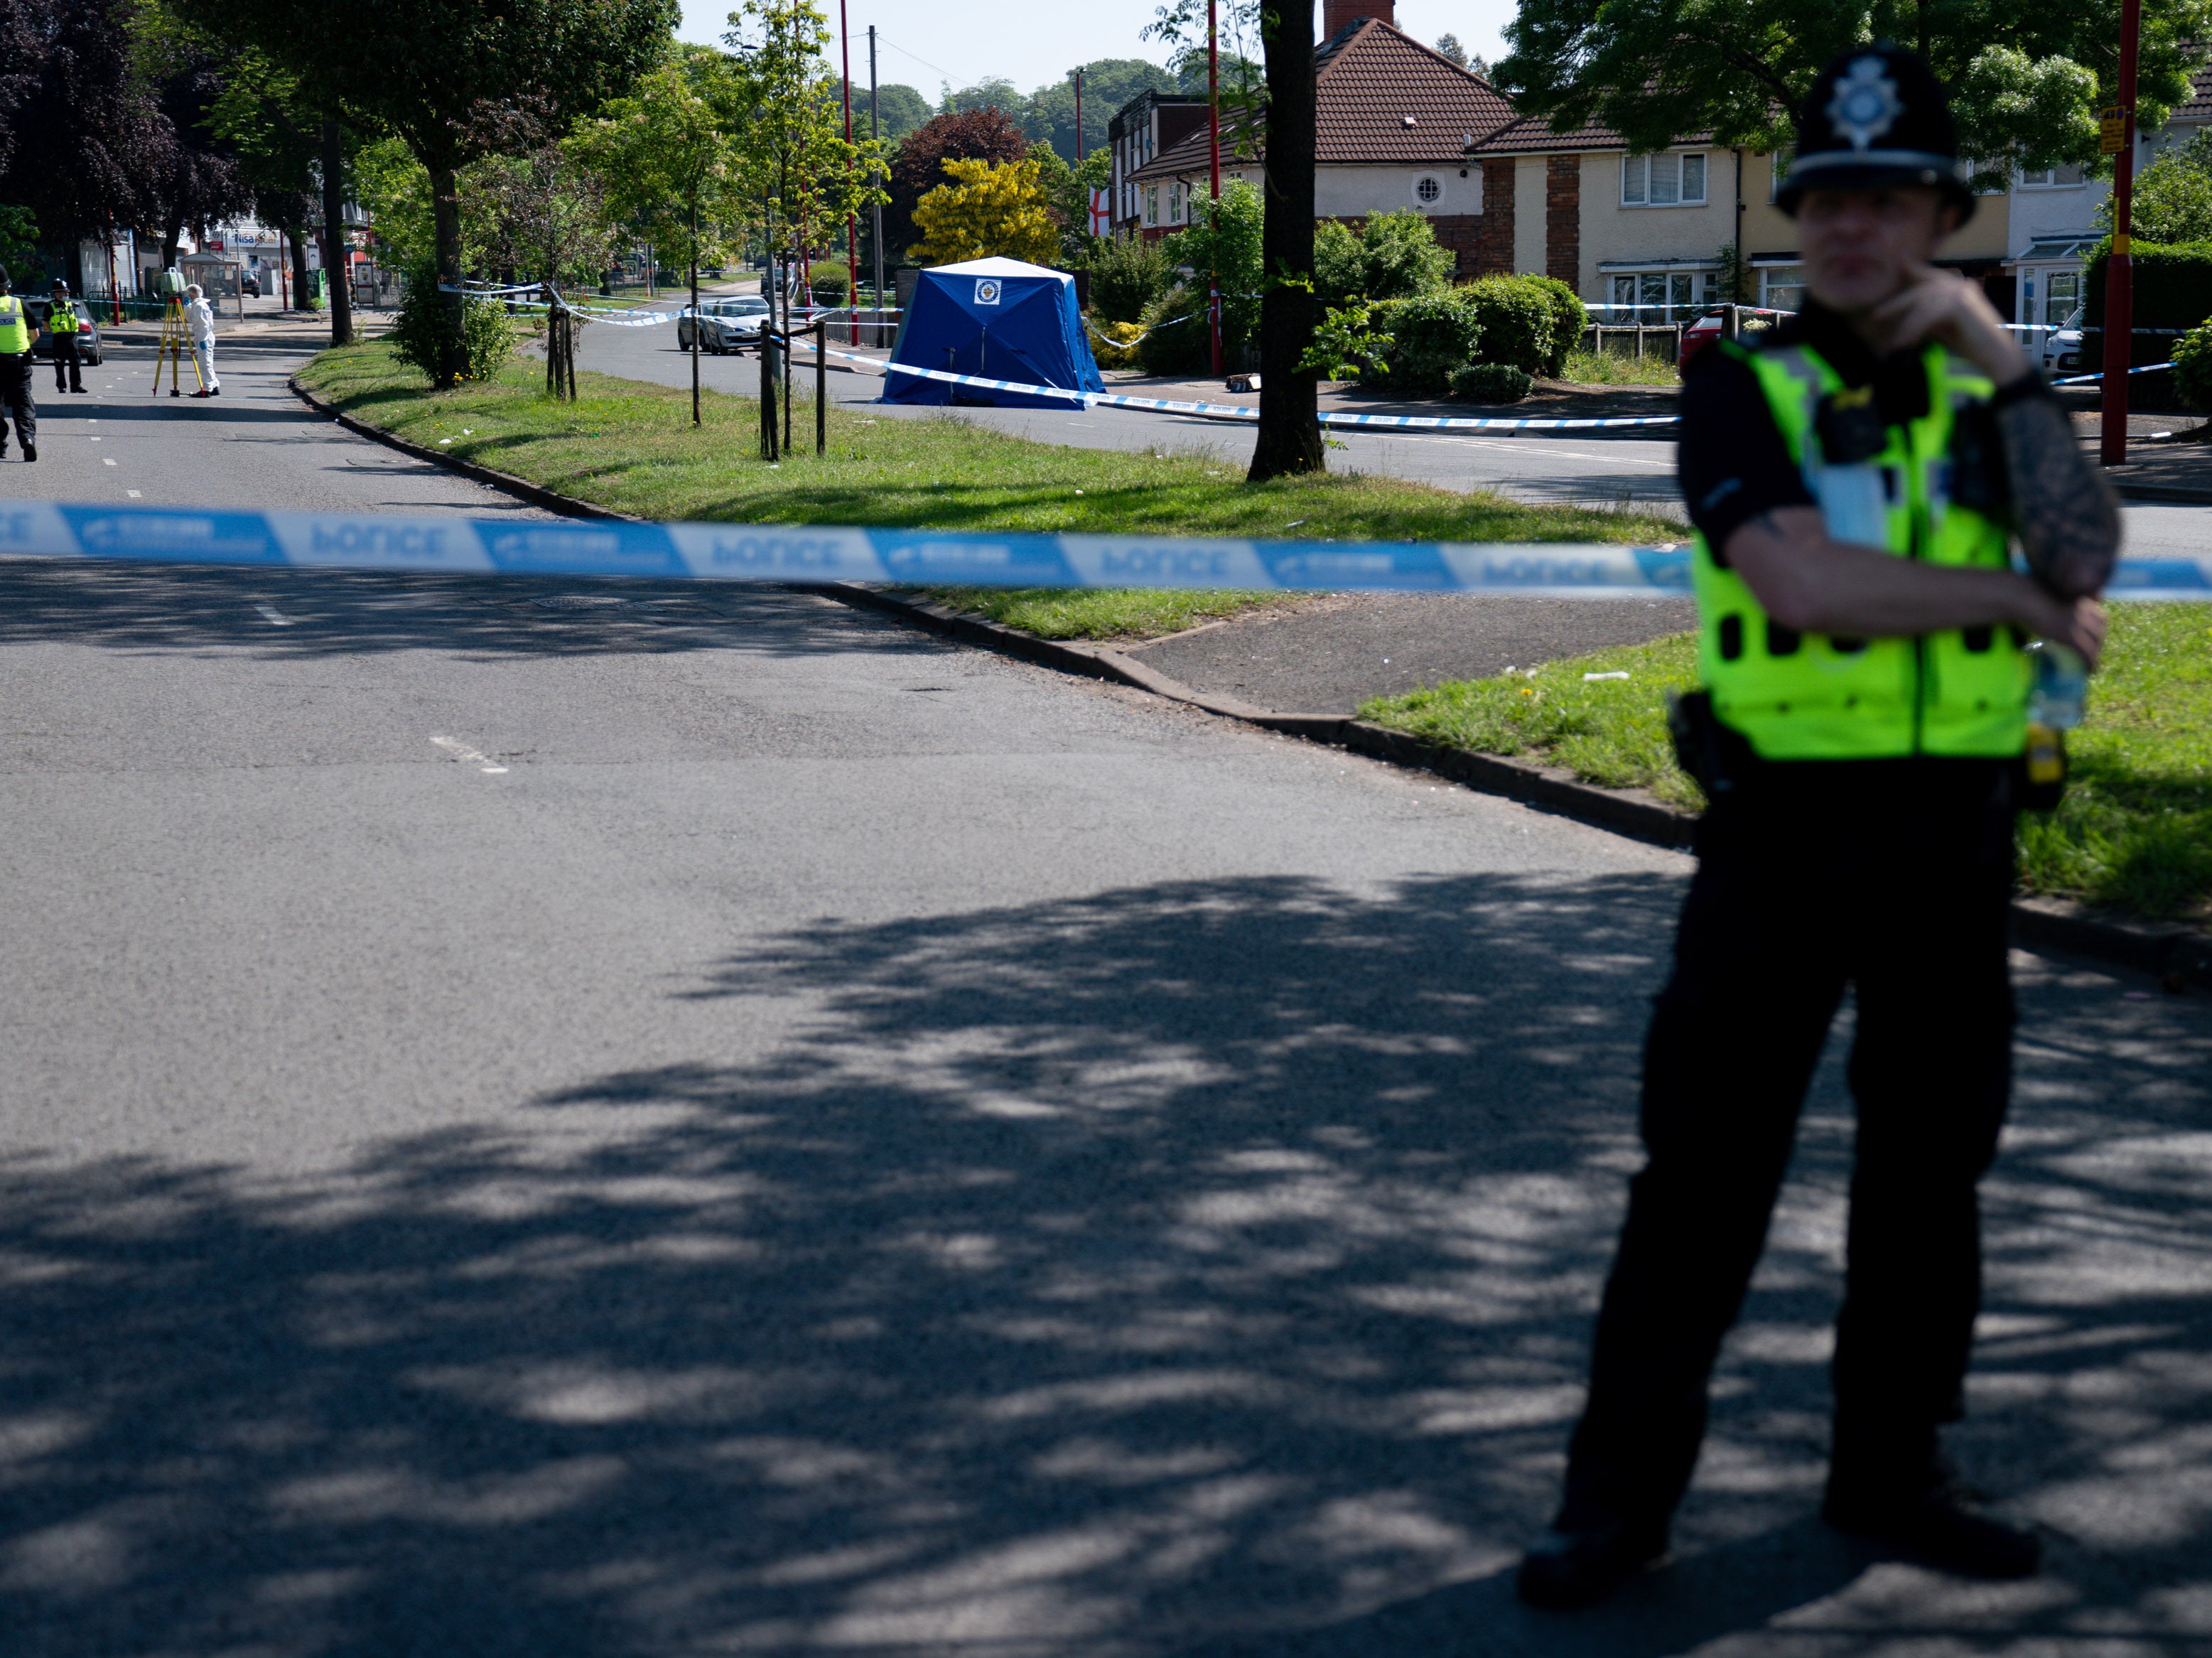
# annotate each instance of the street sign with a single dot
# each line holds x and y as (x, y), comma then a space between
(2112, 132)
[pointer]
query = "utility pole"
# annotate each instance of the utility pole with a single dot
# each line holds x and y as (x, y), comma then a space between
(876, 212)
(1213, 166)
(851, 221)
(1078, 120)
(2119, 269)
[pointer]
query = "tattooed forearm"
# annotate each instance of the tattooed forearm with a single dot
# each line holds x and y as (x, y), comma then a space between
(2063, 511)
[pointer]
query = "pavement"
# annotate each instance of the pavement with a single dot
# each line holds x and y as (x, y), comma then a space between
(555, 1120)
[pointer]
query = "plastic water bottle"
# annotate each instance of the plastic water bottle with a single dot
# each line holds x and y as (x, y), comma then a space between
(2061, 687)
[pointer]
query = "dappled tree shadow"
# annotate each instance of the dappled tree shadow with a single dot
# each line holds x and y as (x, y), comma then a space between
(1197, 1268)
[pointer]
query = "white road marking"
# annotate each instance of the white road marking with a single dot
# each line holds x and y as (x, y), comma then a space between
(466, 755)
(274, 618)
(135, 494)
(104, 461)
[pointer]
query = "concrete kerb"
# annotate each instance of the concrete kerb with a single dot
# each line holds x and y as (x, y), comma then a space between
(2179, 957)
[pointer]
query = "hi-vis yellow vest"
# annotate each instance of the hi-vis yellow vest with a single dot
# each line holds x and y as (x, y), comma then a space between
(62, 319)
(1809, 697)
(15, 332)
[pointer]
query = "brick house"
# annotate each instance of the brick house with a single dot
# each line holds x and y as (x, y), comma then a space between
(1394, 125)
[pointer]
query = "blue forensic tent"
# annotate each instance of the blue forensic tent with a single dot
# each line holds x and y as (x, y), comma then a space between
(999, 319)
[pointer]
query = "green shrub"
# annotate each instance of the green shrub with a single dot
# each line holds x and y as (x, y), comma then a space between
(1402, 257)
(2192, 368)
(423, 332)
(1110, 344)
(1570, 318)
(1340, 263)
(1128, 273)
(1179, 341)
(830, 280)
(1491, 382)
(1515, 313)
(1431, 334)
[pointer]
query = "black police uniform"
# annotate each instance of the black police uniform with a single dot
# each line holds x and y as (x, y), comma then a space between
(17, 399)
(1890, 877)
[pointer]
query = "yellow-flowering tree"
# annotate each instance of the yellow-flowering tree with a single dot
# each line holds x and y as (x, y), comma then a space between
(989, 208)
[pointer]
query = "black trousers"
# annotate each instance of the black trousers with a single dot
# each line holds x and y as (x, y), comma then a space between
(1891, 877)
(67, 375)
(17, 401)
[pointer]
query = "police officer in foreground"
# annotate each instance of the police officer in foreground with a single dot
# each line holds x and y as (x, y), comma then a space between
(63, 323)
(1854, 481)
(16, 401)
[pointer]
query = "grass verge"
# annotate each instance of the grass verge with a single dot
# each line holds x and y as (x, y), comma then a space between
(1618, 368)
(631, 446)
(2134, 833)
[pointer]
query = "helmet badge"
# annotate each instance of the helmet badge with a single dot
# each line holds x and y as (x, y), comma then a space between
(1865, 103)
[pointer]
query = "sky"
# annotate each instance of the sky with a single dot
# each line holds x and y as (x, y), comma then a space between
(926, 43)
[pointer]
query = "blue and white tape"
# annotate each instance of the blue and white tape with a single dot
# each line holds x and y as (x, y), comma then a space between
(2084, 379)
(455, 545)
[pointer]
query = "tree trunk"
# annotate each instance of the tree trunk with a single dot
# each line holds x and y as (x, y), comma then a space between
(1290, 398)
(446, 222)
(335, 260)
(298, 234)
(172, 234)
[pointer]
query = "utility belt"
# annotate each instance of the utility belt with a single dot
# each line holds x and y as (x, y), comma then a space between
(1723, 763)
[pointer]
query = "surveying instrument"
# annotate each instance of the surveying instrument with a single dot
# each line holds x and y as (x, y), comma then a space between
(174, 346)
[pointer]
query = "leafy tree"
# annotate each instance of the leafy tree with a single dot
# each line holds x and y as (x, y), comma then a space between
(1393, 256)
(918, 163)
(1108, 83)
(1447, 46)
(2173, 196)
(278, 139)
(19, 237)
(992, 92)
(1128, 273)
(988, 208)
(1068, 194)
(198, 180)
(1225, 238)
(899, 111)
(431, 72)
(86, 138)
(2026, 77)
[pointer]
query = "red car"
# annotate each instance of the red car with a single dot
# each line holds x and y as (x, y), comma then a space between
(1707, 329)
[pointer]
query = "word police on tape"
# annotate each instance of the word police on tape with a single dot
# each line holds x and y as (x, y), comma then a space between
(803, 554)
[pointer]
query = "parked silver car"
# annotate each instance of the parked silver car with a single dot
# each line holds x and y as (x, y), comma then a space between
(724, 325)
(2062, 346)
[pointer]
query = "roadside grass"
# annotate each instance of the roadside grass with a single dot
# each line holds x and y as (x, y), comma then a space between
(1105, 613)
(2134, 833)
(630, 446)
(1616, 368)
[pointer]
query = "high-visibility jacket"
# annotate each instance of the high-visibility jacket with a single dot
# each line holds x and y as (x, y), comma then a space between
(62, 319)
(1961, 692)
(14, 329)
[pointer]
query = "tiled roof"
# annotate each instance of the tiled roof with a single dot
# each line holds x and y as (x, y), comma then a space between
(1530, 136)
(1369, 80)
(2197, 106)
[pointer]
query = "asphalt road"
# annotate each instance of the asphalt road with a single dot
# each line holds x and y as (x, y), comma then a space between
(1539, 467)
(544, 1119)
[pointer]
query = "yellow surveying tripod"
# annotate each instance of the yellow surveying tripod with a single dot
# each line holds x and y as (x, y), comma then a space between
(174, 345)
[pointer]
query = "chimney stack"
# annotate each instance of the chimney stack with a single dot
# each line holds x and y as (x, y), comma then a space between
(1338, 15)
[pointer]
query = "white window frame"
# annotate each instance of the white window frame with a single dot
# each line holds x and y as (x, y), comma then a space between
(1151, 204)
(1642, 174)
(1174, 201)
(2051, 178)
(1633, 304)
(1777, 172)
(1767, 283)
(1436, 179)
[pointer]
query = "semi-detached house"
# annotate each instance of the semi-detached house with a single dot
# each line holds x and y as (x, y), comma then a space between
(1399, 126)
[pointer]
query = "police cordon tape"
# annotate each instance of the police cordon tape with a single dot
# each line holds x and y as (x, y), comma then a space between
(812, 554)
(1240, 411)
(2084, 379)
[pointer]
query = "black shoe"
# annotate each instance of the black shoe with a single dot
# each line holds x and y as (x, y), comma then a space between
(1942, 1524)
(30, 452)
(1565, 1569)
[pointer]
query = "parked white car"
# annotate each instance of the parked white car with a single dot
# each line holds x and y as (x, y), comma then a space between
(2062, 346)
(724, 325)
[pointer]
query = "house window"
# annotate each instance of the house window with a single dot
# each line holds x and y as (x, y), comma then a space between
(1782, 286)
(1151, 203)
(1670, 180)
(2062, 296)
(2051, 177)
(1175, 202)
(1661, 296)
(1778, 172)
(1428, 190)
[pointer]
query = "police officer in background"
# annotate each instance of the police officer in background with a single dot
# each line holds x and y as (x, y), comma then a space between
(16, 401)
(1854, 482)
(61, 322)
